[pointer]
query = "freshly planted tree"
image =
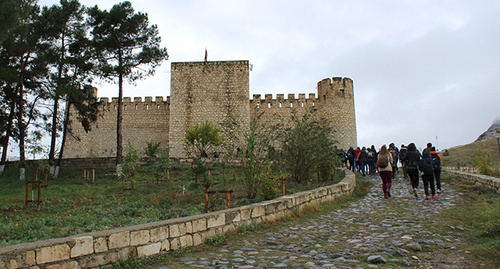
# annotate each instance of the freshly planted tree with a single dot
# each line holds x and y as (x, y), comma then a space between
(126, 48)
(255, 160)
(152, 149)
(203, 138)
(128, 168)
(161, 163)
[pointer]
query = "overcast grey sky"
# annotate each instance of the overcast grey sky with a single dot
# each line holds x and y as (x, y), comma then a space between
(423, 71)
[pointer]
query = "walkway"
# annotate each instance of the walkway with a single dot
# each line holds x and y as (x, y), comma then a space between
(371, 233)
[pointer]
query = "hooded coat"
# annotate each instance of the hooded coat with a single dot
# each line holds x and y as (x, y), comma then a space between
(412, 157)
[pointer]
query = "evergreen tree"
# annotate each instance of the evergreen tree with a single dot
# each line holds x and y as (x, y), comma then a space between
(21, 70)
(69, 75)
(123, 41)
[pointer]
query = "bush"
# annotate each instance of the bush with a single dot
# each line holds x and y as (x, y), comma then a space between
(269, 189)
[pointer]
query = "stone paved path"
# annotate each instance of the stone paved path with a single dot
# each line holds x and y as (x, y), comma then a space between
(371, 233)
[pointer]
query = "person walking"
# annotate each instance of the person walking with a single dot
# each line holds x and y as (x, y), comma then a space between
(428, 148)
(411, 160)
(356, 157)
(436, 159)
(350, 158)
(372, 159)
(393, 150)
(363, 159)
(426, 166)
(402, 153)
(384, 167)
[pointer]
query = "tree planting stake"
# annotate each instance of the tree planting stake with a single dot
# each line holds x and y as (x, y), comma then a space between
(228, 197)
(36, 181)
(86, 174)
(132, 180)
(282, 185)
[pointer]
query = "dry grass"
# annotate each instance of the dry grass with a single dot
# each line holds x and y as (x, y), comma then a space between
(464, 155)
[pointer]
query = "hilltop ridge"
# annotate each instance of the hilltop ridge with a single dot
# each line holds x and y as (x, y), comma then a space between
(492, 132)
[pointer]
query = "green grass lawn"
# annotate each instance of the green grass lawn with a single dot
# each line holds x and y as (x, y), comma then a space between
(70, 206)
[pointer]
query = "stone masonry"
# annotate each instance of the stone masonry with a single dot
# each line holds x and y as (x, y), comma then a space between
(218, 92)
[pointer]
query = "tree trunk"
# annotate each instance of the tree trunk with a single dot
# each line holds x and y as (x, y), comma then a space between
(54, 131)
(22, 131)
(55, 111)
(66, 124)
(119, 138)
(7, 136)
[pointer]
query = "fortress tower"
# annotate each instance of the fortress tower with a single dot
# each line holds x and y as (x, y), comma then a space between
(201, 91)
(336, 102)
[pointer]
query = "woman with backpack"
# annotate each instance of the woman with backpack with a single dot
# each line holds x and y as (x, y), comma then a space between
(411, 160)
(426, 166)
(436, 159)
(384, 167)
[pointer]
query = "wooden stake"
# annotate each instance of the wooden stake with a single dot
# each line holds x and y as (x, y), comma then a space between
(206, 201)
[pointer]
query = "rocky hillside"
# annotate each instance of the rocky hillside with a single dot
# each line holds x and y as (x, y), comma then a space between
(492, 132)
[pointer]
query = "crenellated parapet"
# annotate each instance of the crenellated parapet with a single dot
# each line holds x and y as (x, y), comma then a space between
(335, 87)
(138, 103)
(281, 102)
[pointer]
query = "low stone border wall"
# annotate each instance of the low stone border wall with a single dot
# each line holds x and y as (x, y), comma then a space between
(104, 247)
(477, 179)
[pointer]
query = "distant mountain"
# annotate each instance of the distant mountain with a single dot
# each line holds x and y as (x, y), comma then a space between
(492, 132)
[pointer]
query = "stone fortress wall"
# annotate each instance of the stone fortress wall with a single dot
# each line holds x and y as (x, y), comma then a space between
(143, 121)
(217, 91)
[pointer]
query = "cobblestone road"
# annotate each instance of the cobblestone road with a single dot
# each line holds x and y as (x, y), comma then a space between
(371, 233)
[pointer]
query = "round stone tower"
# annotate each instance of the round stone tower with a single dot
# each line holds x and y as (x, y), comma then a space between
(336, 107)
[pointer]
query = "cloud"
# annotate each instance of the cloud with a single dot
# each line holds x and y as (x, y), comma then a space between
(421, 69)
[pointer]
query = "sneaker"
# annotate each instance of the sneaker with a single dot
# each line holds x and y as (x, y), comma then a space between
(389, 193)
(415, 193)
(385, 195)
(438, 191)
(435, 195)
(427, 197)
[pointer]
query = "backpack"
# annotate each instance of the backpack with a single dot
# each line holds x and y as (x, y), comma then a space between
(394, 157)
(413, 165)
(436, 161)
(427, 166)
(402, 153)
(383, 162)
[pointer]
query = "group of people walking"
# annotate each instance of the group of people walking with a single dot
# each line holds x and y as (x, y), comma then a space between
(414, 164)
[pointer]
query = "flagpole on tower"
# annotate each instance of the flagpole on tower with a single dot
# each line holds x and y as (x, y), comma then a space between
(206, 54)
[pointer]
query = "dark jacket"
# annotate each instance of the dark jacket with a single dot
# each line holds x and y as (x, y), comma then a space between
(426, 159)
(363, 156)
(412, 157)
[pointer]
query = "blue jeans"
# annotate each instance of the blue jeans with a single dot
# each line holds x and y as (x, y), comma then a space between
(363, 167)
(371, 164)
